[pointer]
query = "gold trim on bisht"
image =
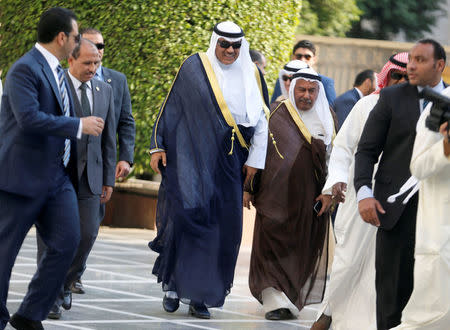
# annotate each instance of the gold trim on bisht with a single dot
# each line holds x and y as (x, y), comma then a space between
(297, 120)
(221, 102)
(266, 111)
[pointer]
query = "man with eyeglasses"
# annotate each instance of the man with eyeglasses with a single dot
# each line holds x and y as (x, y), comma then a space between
(365, 83)
(124, 121)
(390, 131)
(305, 51)
(284, 79)
(208, 141)
(38, 164)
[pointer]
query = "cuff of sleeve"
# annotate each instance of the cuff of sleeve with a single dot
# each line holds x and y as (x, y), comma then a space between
(327, 191)
(80, 130)
(152, 151)
(363, 193)
(256, 158)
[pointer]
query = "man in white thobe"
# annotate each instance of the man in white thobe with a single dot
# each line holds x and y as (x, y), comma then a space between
(429, 305)
(350, 294)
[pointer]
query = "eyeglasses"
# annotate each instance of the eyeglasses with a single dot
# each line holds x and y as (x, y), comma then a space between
(77, 37)
(225, 44)
(398, 75)
(285, 77)
(100, 46)
(300, 56)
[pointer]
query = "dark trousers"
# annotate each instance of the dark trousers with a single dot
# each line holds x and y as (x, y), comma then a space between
(88, 206)
(55, 215)
(394, 264)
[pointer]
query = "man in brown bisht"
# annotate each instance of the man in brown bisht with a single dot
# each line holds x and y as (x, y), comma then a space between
(289, 257)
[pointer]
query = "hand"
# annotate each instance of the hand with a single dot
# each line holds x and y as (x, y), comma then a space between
(249, 174)
(338, 192)
(445, 133)
(92, 125)
(106, 194)
(326, 203)
(368, 208)
(156, 157)
(122, 169)
(247, 198)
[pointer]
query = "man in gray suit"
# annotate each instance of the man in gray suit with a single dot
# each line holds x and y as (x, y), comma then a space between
(125, 126)
(96, 157)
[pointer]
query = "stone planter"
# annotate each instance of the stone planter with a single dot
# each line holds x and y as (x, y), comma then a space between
(132, 205)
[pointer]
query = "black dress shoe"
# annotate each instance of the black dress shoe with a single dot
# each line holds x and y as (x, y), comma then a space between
(55, 312)
(199, 311)
(280, 314)
(67, 300)
(20, 323)
(170, 305)
(77, 287)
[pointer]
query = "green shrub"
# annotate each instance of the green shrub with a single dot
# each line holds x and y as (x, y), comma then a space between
(148, 40)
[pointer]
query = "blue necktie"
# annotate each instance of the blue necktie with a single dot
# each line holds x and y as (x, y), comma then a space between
(425, 102)
(66, 109)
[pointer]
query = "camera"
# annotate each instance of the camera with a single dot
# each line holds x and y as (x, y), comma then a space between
(440, 110)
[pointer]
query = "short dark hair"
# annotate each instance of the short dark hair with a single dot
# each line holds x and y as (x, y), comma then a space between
(256, 56)
(305, 44)
(90, 30)
(362, 76)
(54, 21)
(439, 52)
(76, 51)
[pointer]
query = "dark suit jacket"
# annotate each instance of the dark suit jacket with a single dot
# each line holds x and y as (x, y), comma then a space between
(391, 129)
(328, 85)
(33, 128)
(344, 104)
(97, 153)
(124, 120)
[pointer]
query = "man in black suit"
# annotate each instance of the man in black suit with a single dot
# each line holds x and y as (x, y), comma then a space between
(37, 164)
(391, 129)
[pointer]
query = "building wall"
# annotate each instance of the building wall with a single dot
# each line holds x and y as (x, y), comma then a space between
(342, 58)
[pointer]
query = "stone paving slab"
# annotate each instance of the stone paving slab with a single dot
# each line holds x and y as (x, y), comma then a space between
(121, 292)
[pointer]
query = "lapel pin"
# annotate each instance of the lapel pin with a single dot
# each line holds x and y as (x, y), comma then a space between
(97, 89)
(109, 80)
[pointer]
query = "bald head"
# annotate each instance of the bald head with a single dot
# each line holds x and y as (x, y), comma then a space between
(84, 60)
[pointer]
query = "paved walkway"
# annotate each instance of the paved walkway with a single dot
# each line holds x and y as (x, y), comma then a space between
(122, 293)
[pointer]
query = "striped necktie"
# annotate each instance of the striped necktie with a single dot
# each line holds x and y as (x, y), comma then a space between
(66, 109)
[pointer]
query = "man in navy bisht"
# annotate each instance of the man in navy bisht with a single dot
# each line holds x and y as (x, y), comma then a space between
(209, 139)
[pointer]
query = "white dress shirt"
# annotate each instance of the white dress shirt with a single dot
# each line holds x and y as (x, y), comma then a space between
(53, 62)
(77, 84)
(365, 192)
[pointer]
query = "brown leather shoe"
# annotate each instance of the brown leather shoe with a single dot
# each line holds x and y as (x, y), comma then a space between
(323, 323)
